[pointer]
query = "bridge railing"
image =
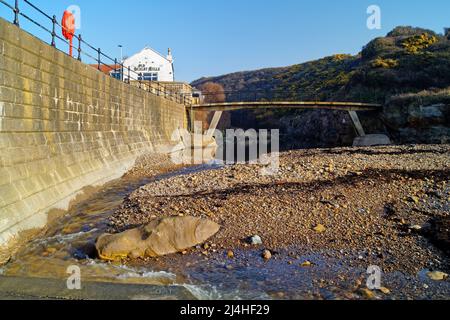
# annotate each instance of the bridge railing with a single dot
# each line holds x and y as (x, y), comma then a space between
(48, 25)
(262, 95)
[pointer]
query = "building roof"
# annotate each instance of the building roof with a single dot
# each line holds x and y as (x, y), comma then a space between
(151, 49)
(106, 68)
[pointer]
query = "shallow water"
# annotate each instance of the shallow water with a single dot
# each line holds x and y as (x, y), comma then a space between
(70, 240)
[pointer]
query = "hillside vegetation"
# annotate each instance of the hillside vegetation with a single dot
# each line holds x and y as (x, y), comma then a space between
(406, 71)
(407, 60)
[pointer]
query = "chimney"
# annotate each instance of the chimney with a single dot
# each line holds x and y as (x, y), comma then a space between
(169, 55)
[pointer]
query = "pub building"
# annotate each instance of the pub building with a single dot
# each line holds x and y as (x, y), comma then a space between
(146, 65)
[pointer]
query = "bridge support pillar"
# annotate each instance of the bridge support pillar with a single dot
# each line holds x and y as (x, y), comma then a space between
(214, 122)
(357, 124)
(191, 113)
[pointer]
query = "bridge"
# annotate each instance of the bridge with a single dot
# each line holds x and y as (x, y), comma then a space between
(233, 106)
(220, 107)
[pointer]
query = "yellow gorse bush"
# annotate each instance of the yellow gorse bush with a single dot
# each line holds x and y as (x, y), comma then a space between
(384, 63)
(418, 43)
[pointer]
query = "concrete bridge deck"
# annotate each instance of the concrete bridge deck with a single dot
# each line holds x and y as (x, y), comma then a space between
(232, 106)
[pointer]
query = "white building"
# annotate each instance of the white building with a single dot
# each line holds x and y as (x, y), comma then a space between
(149, 65)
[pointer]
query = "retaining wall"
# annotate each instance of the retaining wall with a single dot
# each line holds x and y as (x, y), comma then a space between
(63, 126)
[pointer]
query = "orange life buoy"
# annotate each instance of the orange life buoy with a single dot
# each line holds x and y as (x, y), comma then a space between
(68, 27)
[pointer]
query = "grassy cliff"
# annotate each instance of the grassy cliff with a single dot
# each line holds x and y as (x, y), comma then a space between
(407, 60)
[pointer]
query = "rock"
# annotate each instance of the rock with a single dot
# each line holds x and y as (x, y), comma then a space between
(437, 275)
(255, 240)
(51, 250)
(415, 228)
(319, 228)
(230, 254)
(372, 140)
(267, 255)
(366, 293)
(158, 238)
(306, 264)
(384, 290)
(414, 199)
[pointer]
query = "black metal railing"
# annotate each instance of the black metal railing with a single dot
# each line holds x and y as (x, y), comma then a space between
(83, 48)
(276, 95)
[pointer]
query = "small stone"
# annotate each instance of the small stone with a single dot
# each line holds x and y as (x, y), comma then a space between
(255, 240)
(267, 255)
(230, 254)
(366, 293)
(385, 290)
(306, 264)
(437, 275)
(134, 254)
(320, 228)
(414, 199)
(184, 253)
(415, 228)
(206, 246)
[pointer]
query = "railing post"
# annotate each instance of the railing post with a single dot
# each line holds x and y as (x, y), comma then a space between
(99, 58)
(16, 13)
(53, 31)
(115, 66)
(79, 47)
(129, 75)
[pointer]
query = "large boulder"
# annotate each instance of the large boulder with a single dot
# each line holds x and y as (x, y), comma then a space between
(158, 238)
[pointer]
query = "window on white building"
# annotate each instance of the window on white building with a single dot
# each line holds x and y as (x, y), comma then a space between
(148, 76)
(116, 75)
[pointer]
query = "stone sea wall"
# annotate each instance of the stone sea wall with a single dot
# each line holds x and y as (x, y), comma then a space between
(63, 126)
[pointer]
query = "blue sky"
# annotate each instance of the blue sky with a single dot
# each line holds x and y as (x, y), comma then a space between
(214, 37)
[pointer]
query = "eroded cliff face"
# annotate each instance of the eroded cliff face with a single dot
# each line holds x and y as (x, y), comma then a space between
(419, 118)
(425, 121)
(310, 128)
(419, 124)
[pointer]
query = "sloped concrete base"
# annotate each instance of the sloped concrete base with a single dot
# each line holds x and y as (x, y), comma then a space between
(371, 140)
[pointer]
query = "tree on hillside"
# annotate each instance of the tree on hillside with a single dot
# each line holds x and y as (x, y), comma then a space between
(213, 93)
